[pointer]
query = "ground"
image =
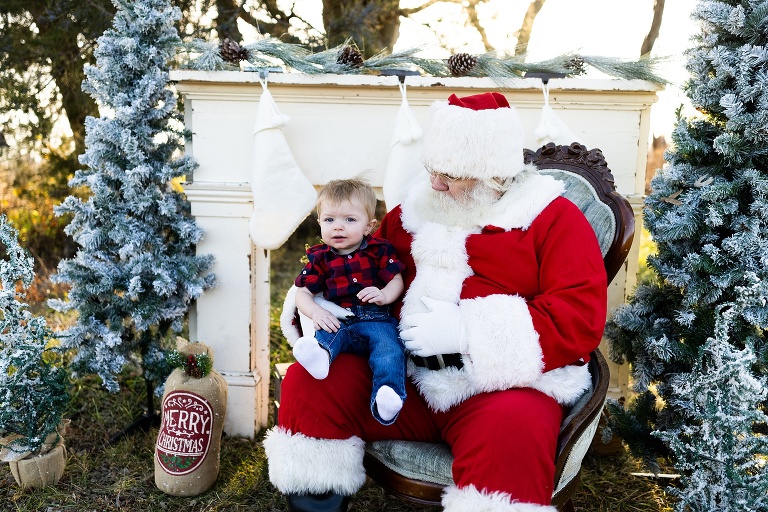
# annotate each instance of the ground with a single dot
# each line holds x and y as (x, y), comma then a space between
(103, 476)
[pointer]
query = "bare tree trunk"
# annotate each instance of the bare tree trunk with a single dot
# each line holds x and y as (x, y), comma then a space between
(524, 34)
(653, 33)
(67, 72)
(374, 25)
(77, 104)
(226, 20)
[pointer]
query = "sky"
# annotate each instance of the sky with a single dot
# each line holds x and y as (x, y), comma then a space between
(609, 28)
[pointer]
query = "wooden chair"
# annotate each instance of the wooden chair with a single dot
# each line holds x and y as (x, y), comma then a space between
(419, 472)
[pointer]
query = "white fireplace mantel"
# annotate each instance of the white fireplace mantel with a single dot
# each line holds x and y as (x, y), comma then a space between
(341, 126)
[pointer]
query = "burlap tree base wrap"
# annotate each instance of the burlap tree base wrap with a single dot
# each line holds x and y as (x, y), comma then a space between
(41, 470)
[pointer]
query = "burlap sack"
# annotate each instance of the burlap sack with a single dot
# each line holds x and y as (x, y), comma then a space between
(189, 440)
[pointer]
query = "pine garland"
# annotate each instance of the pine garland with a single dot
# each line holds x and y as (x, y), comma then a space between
(203, 55)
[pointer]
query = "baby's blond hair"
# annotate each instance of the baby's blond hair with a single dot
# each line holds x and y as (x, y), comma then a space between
(353, 189)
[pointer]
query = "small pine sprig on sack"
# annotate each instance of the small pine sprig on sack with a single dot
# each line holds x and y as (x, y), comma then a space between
(194, 365)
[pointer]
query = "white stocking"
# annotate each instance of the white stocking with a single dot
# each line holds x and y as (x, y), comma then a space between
(282, 195)
(404, 167)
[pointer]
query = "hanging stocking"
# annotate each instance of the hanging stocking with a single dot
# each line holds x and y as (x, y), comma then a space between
(282, 195)
(404, 167)
(551, 128)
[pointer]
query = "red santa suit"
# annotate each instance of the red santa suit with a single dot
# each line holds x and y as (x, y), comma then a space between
(528, 277)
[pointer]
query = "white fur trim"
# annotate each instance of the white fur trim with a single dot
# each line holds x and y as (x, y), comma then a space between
(564, 384)
(442, 389)
(469, 499)
(503, 344)
(504, 353)
(525, 200)
(440, 255)
(441, 261)
(468, 143)
(299, 464)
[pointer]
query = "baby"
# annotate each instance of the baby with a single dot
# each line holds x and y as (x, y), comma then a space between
(360, 273)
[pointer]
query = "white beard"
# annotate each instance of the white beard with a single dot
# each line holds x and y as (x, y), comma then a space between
(469, 209)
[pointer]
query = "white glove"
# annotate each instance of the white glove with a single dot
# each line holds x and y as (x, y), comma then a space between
(439, 331)
(337, 311)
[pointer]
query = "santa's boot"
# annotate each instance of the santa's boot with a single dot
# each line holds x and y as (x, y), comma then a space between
(328, 502)
(314, 474)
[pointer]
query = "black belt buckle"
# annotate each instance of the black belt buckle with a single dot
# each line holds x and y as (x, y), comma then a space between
(439, 362)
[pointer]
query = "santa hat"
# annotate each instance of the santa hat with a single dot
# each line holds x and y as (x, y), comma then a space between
(478, 136)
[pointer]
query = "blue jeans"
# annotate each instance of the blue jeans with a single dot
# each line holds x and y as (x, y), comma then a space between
(372, 332)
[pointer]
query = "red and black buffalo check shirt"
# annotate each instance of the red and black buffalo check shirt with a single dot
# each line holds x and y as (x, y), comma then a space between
(341, 277)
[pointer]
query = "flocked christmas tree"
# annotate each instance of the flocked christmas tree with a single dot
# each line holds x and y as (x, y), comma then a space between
(136, 272)
(720, 459)
(33, 390)
(708, 214)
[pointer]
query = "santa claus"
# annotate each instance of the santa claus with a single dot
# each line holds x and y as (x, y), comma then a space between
(505, 298)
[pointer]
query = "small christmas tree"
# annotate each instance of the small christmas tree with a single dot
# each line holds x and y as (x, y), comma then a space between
(720, 459)
(136, 272)
(708, 214)
(33, 391)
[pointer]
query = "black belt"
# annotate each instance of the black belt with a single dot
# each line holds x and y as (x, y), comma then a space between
(438, 362)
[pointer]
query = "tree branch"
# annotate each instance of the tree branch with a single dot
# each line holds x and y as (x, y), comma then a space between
(276, 28)
(524, 34)
(475, 22)
(413, 10)
(247, 17)
(653, 33)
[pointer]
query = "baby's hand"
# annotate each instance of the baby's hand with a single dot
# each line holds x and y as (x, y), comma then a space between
(325, 320)
(372, 294)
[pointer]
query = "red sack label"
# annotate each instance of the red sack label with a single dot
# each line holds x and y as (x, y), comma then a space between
(185, 432)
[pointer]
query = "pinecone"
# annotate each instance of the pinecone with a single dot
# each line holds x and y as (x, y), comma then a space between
(350, 56)
(232, 52)
(461, 63)
(576, 65)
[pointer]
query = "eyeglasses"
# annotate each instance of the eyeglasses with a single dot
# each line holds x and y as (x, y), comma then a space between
(441, 175)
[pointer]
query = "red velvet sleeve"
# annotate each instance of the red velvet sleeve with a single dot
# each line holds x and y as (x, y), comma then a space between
(570, 311)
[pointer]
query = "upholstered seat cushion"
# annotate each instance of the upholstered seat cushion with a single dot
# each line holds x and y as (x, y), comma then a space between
(430, 462)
